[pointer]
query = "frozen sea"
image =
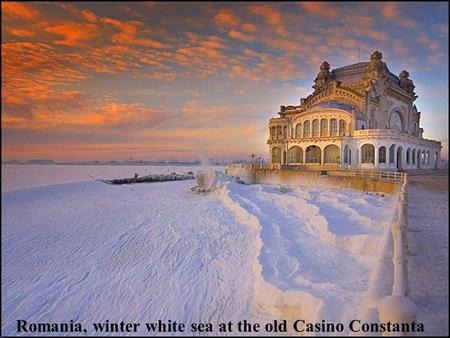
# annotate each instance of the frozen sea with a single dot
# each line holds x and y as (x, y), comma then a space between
(74, 248)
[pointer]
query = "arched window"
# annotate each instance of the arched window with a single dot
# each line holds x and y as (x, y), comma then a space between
(382, 155)
(331, 154)
(346, 154)
(428, 157)
(408, 156)
(341, 127)
(392, 154)
(323, 127)
(413, 157)
(295, 155)
(333, 126)
(298, 130)
(276, 155)
(368, 153)
(306, 128)
(315, 127)
(395, 120)
(313, 154)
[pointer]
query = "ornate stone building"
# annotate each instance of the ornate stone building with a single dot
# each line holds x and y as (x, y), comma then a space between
(360, 116)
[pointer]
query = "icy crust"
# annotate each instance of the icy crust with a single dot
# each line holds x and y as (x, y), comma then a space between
(315, 249)
(268, 299)
(91, 251)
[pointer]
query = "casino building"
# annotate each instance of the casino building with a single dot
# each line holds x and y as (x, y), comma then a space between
(360, 116)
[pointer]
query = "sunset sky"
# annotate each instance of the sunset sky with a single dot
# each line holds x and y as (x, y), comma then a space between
(84, 81)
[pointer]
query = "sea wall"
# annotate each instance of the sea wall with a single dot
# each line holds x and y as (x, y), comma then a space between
(331, 179)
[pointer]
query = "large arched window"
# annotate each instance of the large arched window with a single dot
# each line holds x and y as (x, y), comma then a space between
(276, 155)
(342, 127)
(396, 120)
(413, 157)
(295, 155)
(368, 153)
(346, 154)
(315, 127)
(333, 127)
(298, 130)
(392, 154)
(428, 157)
(306, 128)
(313, 154)
(408, 156)
(323, 127)
(382, 155)
(331, 154)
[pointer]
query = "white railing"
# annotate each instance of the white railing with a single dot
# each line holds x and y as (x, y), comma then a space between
(398, 308)
(381, 175)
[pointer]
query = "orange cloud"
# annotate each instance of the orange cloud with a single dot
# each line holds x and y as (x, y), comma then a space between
(129, 33)
(73, 32)
(226, 17)
(23, 33)
(89, 15)
(249, 27)
(320, 9)
(271, 15)
(239, 36)
(193, 109)
(390, 12)
(19, 10)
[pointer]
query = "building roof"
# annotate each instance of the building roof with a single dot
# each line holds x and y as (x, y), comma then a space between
(355, 73)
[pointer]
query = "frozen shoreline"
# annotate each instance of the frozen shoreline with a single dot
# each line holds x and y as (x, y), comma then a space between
(90, 251)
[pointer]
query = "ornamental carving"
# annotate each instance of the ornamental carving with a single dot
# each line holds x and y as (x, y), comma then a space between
(406, 83)
(376, 69)
(322, 76)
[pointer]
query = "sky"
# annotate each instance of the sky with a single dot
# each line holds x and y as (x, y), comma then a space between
(146, 80)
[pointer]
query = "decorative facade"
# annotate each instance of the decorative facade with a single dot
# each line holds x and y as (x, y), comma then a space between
(360, 116)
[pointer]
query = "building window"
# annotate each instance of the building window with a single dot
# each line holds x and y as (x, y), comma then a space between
(315, 127)
(368, 153)
(342, 127)
(306, 128)
(295, 154)
(323, 127)
(346, 154)
(331, 154)
(313, 154)
(414, 157)
(428, 157)
(382, 155)
(333, 126)
(408, 156)
(298, 130)
(396, 121)
(392, 154)
(276, 155)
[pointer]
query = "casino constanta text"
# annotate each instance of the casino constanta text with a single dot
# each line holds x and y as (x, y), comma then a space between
(299, 325)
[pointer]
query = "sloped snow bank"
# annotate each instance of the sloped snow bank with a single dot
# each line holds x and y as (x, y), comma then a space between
(316, 248)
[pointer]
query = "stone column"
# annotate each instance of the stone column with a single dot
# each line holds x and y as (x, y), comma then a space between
(377, 153)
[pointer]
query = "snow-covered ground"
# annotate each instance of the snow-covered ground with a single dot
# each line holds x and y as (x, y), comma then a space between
(75, 248)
